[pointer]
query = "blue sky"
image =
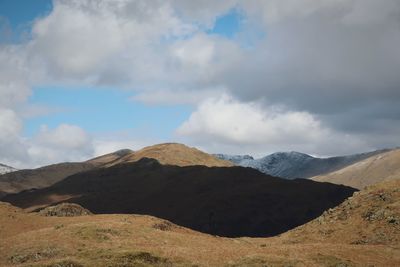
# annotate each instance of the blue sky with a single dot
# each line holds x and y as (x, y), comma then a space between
(20, 14)
(103, 110)
(100, 110)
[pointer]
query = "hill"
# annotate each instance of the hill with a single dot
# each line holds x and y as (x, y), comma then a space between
(31, 179)
(291, 165)
(363, 231)
(377, 168)
(174, 154)
(371, 216)
(21, 180)
(232, 201)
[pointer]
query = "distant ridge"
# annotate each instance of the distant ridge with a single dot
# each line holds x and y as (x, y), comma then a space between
(291, 165)
(369, 171)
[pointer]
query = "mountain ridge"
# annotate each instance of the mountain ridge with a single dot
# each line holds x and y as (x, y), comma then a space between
(369, 171)
(167, 153)
(291, 165)
(226, 201)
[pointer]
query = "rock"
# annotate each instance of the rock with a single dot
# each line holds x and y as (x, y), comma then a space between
(65, 210)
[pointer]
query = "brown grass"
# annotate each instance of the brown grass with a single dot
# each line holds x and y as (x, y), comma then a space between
(132, 240)
(174, 154)
(375, 169)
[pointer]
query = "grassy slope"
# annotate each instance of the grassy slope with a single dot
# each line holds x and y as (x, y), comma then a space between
(371, 216)
(133, 240)
(174, 154)
(366, 172)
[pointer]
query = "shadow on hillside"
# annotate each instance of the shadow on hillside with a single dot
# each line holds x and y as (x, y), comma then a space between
(227, 201)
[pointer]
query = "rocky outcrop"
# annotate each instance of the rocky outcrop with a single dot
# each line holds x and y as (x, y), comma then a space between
(65, 210)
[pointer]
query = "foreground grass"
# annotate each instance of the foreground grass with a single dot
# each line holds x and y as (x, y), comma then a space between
(129, 240)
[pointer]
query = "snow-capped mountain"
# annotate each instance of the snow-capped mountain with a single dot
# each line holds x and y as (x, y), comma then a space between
(6, 169)
(291, 165)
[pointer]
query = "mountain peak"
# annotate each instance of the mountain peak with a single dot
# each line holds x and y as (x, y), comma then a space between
(174, 154)
(295, 164)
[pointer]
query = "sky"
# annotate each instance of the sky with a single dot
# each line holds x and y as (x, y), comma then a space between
(81, 78)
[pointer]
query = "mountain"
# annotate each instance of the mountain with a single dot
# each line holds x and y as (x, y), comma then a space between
(363, 231)
(371, 216)
(377, 168)
(227, 201)
(21, 180)
(291, 165)
(30, 179)
(6, 169)
(173, 154)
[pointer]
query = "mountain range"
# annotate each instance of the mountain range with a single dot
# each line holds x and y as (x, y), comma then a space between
(291, 165)
(206, 211)
(226, 201)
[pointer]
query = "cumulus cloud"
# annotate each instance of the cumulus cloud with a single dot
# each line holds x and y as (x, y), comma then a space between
(89, 39)
(14, 84)
(11, 146)
(63, 143)
(226, 123)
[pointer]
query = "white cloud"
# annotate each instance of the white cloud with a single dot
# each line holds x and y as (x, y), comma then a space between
(63, 143)
(256, 129)
(89, 39)
(64, 136)
(11, 146)
(10, 125)
(14, 85)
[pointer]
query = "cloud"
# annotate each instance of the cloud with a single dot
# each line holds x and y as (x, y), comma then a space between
(176, 97)
(11, 146)
(89, 39)
(226, 123)
(14, 84)
(319, 74)
(63, 143)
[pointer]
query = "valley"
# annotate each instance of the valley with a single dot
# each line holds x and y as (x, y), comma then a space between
(172, 205)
